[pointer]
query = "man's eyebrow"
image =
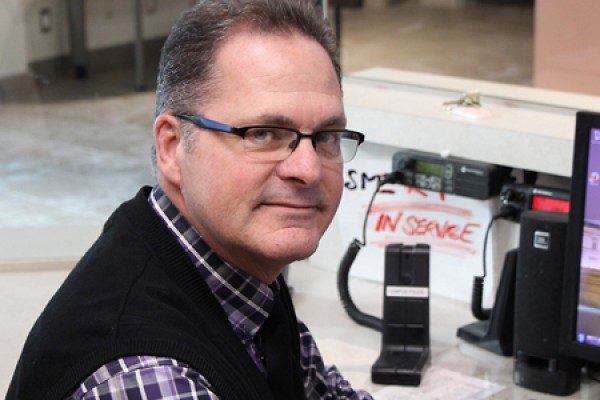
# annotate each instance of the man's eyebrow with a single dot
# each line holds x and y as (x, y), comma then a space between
(280, 120)
(274, 119)
(334, 122)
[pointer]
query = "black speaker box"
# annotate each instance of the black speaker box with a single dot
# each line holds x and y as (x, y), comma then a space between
(538, 296)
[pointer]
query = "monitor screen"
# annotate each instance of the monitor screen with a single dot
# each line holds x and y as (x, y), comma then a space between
(581, 302)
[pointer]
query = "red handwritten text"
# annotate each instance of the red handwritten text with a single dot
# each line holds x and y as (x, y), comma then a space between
(412, 225)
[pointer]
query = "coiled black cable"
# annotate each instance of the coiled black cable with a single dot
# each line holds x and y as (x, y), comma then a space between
(355, 314)
(477, 294)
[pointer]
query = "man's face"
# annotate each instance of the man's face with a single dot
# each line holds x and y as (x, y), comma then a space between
(257, 215)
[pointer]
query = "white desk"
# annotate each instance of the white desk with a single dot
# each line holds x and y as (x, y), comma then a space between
(529, 129)
(354, 348)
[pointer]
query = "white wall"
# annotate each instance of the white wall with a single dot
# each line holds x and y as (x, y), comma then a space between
(567, 46)
(13, 55)
(108, 23)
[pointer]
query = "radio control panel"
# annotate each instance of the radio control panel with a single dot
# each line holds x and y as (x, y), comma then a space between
(450, 175)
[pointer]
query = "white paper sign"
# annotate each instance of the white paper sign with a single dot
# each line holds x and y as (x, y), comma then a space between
(453, 226)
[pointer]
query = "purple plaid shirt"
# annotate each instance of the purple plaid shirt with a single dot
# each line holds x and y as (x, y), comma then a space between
(246, 302)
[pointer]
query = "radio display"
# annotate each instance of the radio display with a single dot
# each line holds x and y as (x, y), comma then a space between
(543, 203)
(429, 168)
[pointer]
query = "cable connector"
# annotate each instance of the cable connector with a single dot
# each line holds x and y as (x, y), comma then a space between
(401, 167)
(392, 177)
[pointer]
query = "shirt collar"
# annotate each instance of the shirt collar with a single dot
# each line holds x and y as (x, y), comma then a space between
(246, 300)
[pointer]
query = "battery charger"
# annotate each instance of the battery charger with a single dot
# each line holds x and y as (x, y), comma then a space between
(405, 352)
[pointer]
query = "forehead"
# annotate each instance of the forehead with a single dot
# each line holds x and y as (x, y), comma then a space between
(274, 74)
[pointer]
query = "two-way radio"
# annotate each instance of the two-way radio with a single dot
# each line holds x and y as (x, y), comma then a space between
(451, 175)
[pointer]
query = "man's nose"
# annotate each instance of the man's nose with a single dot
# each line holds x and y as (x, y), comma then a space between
(303, 164)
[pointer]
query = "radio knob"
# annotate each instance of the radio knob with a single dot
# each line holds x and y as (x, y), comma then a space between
(449, 172)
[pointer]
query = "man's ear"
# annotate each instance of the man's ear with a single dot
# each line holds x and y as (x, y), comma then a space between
(167, 139)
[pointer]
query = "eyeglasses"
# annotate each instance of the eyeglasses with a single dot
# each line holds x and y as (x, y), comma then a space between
(274, 143)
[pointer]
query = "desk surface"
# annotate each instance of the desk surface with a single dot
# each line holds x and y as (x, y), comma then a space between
(353, 348)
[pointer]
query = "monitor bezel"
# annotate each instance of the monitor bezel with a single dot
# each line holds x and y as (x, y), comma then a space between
(584, 122)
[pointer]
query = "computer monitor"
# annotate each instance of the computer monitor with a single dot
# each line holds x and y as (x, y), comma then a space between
(580, 332)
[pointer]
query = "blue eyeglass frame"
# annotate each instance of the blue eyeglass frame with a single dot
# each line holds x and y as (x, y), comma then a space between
(206, 123)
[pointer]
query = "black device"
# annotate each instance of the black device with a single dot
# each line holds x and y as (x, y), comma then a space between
(519, 197)
(538, 364)
(450, 175)
(495, 334)
(494, 329)
(405, 332)
(580, 333)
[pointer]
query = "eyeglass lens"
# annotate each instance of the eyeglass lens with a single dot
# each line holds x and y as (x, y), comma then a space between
(276, 144)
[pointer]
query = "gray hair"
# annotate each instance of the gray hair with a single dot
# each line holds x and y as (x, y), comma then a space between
(186, 63)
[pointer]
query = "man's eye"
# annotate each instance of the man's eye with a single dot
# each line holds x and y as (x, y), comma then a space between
(328, 137)
(267, 135)
(260, 135)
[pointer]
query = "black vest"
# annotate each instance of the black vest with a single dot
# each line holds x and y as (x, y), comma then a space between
(135, 292)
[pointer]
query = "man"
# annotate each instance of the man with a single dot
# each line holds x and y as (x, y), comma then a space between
(181, 296)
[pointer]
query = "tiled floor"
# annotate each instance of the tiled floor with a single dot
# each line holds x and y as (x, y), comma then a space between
(71, 150)
(481, 41)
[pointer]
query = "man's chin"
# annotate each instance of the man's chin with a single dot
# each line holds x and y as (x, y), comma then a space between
(297, 246)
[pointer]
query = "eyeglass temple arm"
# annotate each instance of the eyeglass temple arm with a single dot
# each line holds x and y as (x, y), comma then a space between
(209, 124)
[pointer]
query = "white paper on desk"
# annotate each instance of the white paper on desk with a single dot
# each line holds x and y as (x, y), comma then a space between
(442, 384)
